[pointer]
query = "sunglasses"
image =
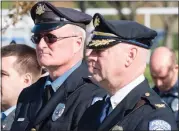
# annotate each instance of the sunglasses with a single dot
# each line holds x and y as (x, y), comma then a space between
(48, 38)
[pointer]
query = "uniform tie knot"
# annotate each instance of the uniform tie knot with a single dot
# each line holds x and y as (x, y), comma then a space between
(3, 116)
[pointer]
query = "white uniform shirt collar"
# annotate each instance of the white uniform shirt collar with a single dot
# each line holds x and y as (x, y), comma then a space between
(122, 93)
(8, 111)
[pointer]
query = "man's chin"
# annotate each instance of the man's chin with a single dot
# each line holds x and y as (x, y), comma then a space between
(96, 77)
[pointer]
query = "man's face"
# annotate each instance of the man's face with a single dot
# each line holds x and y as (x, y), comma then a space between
(163, 76)
(12, 83)
(59, 52)
(105, 64)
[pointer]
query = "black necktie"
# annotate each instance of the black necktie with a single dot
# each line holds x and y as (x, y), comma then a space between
(3, 116)
(48, 92)
(107, 108)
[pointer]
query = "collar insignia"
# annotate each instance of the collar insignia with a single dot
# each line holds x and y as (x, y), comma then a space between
(160, 105)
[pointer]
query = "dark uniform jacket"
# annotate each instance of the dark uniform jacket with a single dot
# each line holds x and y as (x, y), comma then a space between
(76, 93)
(171, 98)
(7, 122)
(135, 112)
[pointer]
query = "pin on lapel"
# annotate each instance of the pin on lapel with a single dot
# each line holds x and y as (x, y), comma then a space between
(20, 119)
(58, 111)
(3, 126)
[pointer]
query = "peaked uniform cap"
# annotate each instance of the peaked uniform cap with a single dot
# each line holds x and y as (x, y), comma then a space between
(111, 32)
(48, 17)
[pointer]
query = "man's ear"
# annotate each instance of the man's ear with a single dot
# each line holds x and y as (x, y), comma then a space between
(27, 79)
(131, 56)
(78, 45)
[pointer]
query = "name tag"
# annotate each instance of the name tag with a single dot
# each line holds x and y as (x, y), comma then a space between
(20, 119)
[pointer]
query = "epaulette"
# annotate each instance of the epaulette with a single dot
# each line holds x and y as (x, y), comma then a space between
(154, 101)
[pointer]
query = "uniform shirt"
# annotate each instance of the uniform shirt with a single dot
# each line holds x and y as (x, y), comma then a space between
(170, 98)
(59, 81)
(140, 109)
(120, 95)
(8, 111)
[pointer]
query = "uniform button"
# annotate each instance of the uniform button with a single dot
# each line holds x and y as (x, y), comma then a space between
(147, 94)
(33, 129)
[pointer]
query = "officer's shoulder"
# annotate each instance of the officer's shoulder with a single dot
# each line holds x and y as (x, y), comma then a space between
(154, 101)
(31, 89)
(90, 82)
(157, 115)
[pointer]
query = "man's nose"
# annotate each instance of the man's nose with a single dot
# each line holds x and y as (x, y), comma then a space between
(92, 55)
(42, 44)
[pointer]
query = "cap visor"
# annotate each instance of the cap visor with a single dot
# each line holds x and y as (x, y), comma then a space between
(45, 27)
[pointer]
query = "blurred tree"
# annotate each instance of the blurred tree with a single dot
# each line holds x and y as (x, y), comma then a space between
(168, 21)
(18, 9)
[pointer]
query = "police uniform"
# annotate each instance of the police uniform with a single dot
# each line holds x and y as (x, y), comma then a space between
(8, 118)
(63, 110)
(141, 108)
(171, 99)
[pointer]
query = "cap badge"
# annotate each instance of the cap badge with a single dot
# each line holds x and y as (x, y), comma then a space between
(96, 21)
(40, 9)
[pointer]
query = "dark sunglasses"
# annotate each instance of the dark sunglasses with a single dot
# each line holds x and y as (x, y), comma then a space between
(48, 38)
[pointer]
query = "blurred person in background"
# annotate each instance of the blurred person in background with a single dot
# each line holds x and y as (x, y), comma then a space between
(20, 69)
(164, 71)
(118, 61)
(57, 102)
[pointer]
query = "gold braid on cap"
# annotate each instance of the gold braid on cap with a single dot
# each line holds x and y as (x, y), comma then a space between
(100, 42)
(103, 34)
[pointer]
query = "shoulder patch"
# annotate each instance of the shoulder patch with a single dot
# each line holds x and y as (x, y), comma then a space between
(159, 125)
(95, 99)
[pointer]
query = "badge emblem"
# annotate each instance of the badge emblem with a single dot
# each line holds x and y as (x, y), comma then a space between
(159, 125)
(40, 9)
(96, 21)
(58, 111)
(175, 105)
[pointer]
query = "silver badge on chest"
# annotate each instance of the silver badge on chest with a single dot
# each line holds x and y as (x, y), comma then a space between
(58, 111)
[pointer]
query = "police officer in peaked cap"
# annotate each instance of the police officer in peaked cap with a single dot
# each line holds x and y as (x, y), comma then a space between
(119, 50)
(57, 102)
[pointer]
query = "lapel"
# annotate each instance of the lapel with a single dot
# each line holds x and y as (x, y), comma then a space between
(50, 106)
(63, 92)
(6, 124)
(126, 105)
(76, 79)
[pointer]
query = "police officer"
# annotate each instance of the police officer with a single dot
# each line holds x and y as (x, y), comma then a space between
(117, 60)
(164, 71)
(15, 76)
(57, 102)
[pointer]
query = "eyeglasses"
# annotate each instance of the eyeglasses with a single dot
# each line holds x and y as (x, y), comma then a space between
(48, 38)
